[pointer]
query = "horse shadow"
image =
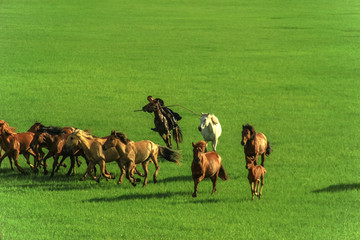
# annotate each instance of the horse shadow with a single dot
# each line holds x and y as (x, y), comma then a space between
(138, 196)
(338, 188)
(184, 178)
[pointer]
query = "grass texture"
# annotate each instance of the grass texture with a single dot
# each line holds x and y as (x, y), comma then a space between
(290, 68)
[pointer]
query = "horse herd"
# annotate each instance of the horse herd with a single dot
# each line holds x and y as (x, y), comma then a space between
(72, 142)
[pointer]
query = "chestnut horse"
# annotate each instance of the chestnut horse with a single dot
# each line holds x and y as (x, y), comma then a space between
(140, 152)
(206, 165)
(255, 144)
(162, 126)
(14, 144)
(256, 174)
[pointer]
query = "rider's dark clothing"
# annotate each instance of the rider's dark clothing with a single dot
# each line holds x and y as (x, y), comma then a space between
(170, 115)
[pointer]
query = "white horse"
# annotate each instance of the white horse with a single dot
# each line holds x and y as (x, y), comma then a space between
(210, 128)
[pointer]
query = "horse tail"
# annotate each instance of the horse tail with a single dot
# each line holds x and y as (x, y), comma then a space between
(177, 134)
(268, 148)
(222, 173)
(169, 154)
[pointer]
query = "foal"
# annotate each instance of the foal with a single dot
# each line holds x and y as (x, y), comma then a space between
(256, 174)
(206, 165)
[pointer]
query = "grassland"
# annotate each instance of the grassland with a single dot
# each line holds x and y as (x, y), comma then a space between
(290, 68)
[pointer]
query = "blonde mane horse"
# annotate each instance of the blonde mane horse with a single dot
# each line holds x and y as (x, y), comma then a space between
(210, 128)
(141, 152)
(93, 150)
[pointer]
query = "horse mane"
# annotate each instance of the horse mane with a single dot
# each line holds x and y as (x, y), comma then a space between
(251, 129)
(6, 128)
(51, 130)
(82, 134)
(122, 137)
(200, 144)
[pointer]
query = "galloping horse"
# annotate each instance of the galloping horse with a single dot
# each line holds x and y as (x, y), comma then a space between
(53, 139)
(162, 125)
(256, 174)
(14, 144)
(140, 152)
(255, 144)
(206, 165)
(92, 147)
(210, 128)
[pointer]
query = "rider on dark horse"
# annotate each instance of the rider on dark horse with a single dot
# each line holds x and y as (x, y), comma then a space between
(171, 116)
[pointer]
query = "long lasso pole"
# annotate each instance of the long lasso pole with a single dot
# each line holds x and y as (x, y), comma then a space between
(176, 105)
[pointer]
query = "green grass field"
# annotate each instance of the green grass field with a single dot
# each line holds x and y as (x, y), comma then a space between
(290, 68)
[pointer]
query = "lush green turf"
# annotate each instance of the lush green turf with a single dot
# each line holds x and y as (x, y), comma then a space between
(290, 68)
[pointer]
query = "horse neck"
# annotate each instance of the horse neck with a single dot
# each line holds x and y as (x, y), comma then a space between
(199, 158)
(85, 143)
(120, 147)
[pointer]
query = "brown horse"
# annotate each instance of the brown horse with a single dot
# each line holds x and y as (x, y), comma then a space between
(256, 174)
(53, 139)
(162, 125)
(140, 152)
(206, 165)
(255, 144)
(14, 144)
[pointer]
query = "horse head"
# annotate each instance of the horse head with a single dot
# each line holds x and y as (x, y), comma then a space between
(248, 133)
(204, 121)
(198, 150)
(250, 162)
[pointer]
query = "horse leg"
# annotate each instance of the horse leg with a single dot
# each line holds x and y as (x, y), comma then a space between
(262, 159)
(168, 136)
(146, 171)
(196, 183)
(15, 157)
(252, 186)
(11, 163)
(176, 134)
(157, 167)
(55, 164)
(122, 171)
(72, 166)
(61, 162)
(213, 179)
(88, 170)
(138, 172)
(214, 144)
(129, 169)
(27, 157)
(262, 185)
(5, 155)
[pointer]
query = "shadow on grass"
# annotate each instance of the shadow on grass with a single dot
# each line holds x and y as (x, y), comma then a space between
(184, 178)
(339, 187)
(138, 196)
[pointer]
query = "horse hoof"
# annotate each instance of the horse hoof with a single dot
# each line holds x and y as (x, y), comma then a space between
(194, 195)
(134, 184)
(138, 180)
(82, 179)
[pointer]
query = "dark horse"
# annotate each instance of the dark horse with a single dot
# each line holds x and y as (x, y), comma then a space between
(163, 125)
(206, 165)
(255, 144)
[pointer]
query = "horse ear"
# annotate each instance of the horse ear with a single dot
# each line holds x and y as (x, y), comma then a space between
(214, 120)
(193, 144)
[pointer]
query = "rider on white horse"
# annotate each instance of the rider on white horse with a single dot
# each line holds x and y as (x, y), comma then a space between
(210, 128)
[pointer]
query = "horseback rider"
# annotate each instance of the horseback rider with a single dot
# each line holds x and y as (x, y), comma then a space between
(171, 116)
